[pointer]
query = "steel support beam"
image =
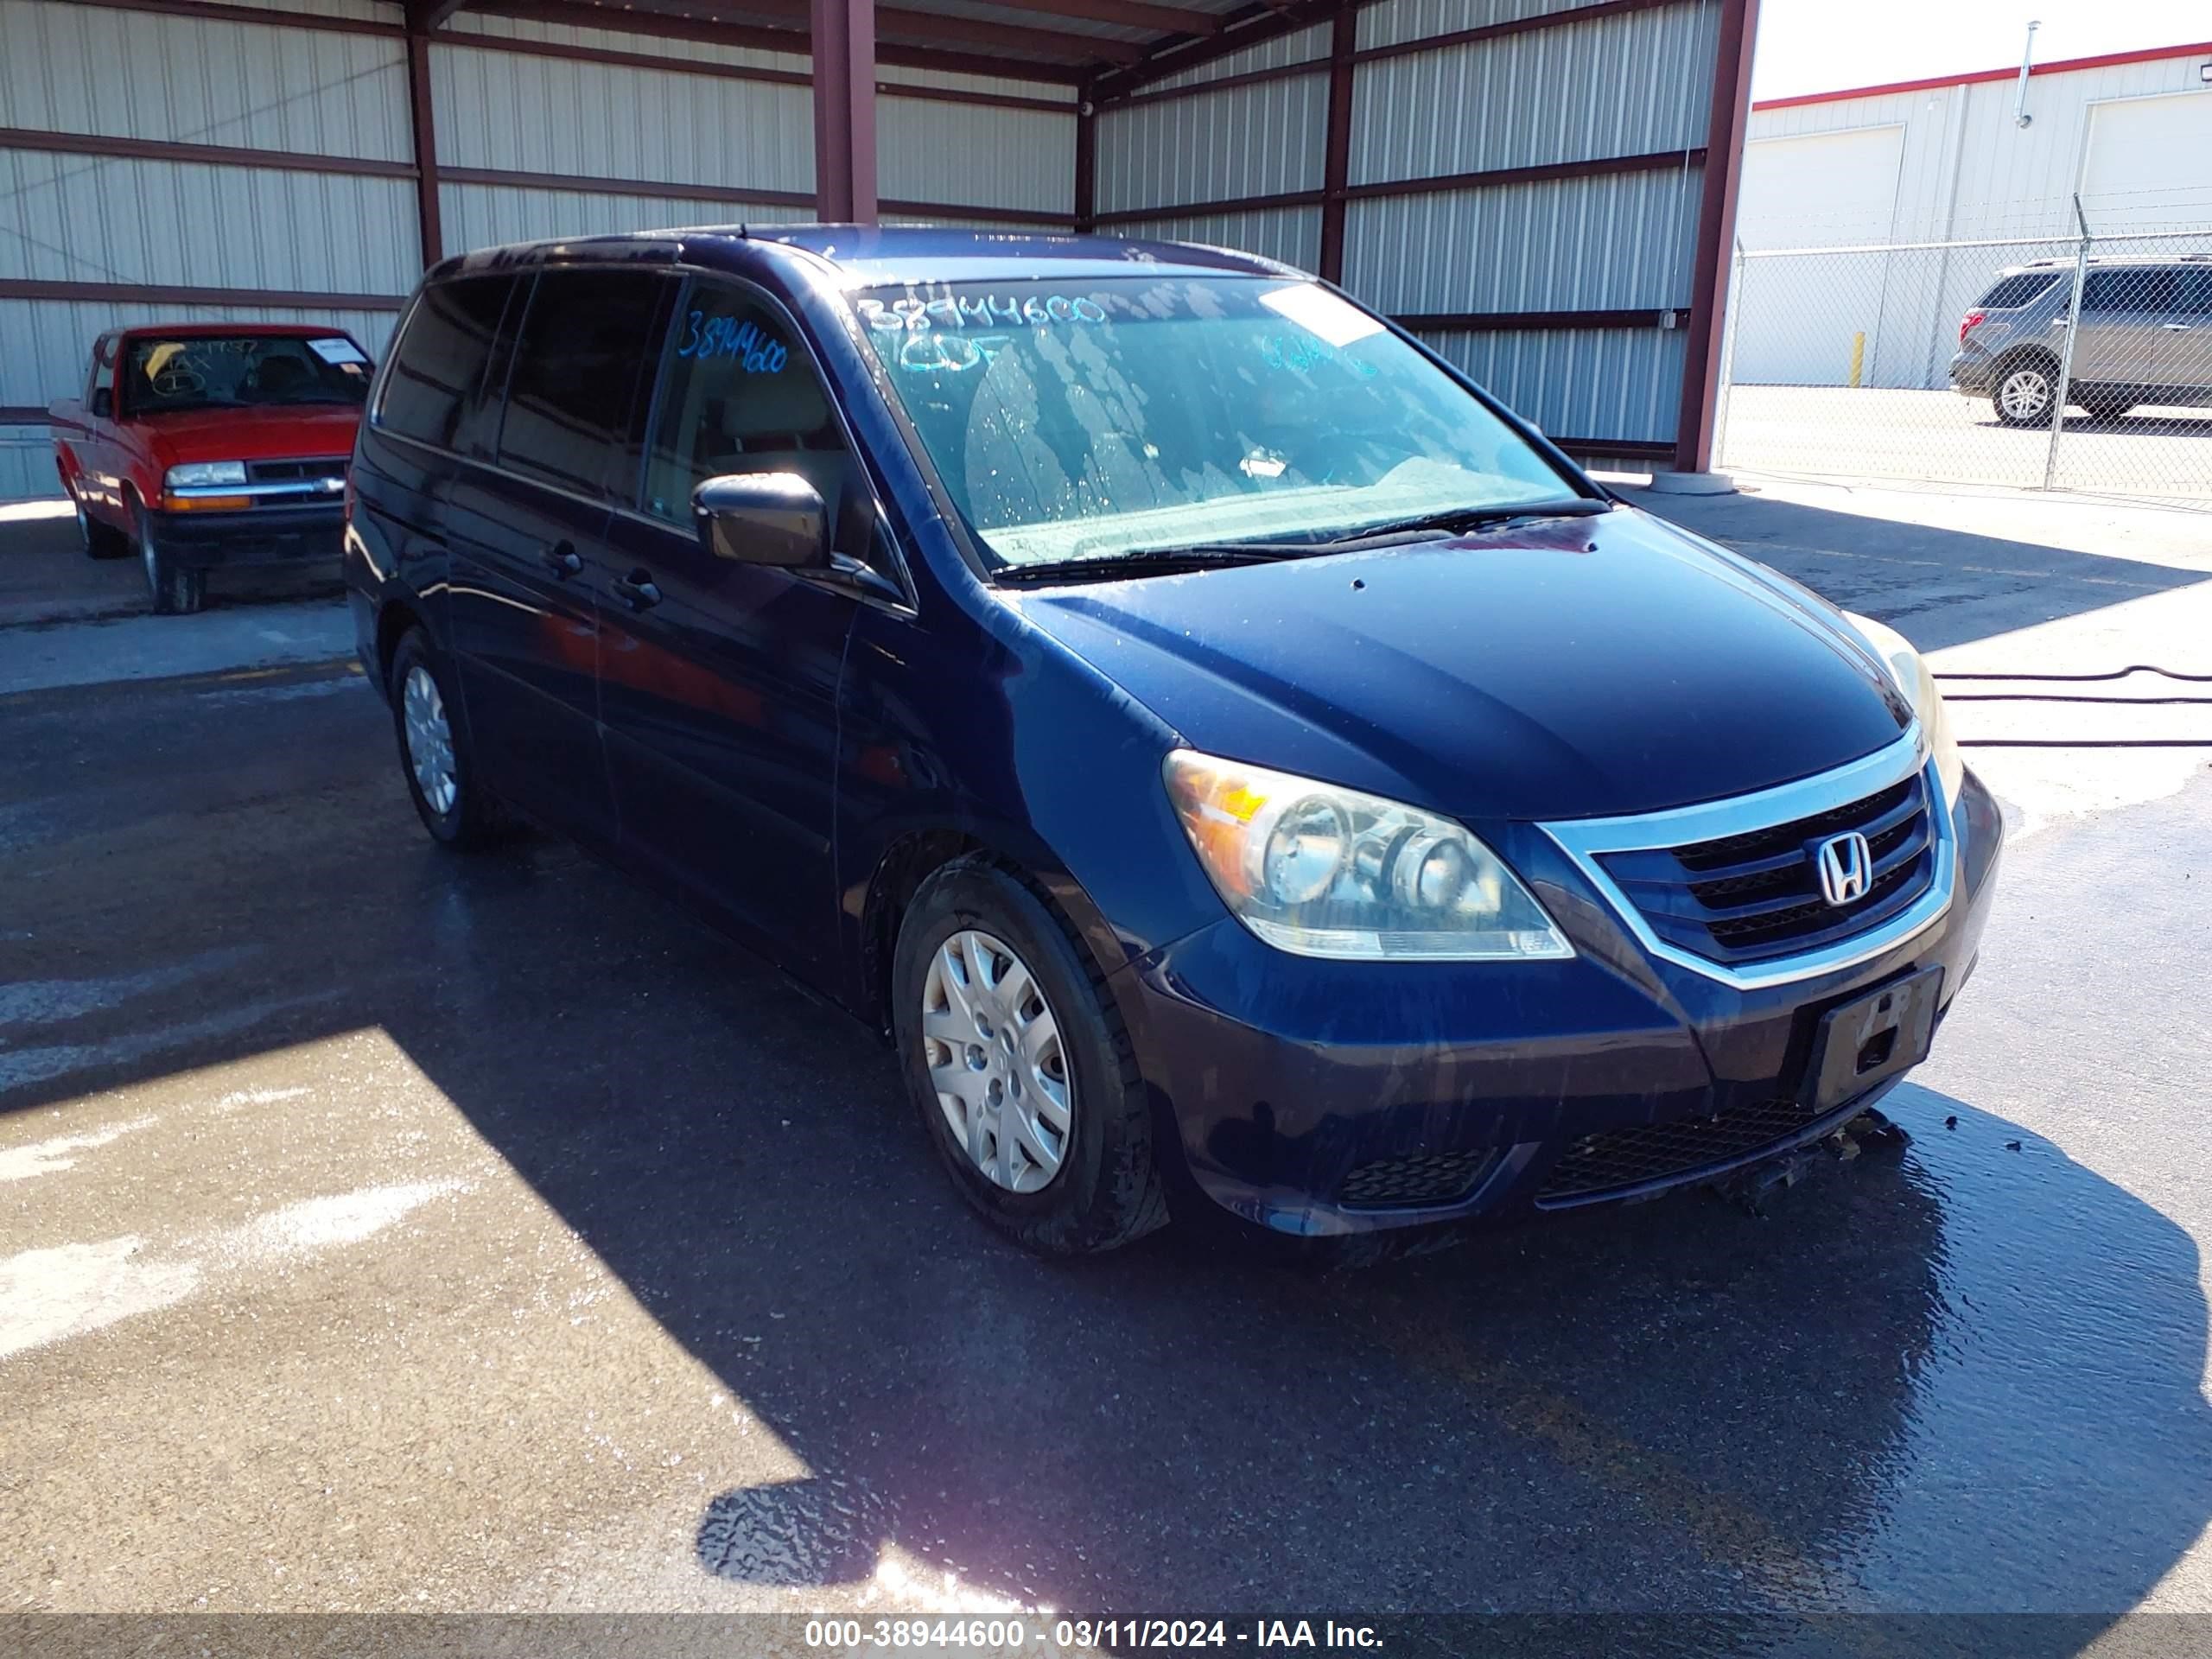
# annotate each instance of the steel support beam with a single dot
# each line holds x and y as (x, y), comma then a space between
(843, 40)
(1336, 156)
(1716, 234)
(1086, 163)
(430, 230)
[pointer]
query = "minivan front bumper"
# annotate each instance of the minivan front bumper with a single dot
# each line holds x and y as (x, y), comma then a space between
(1320, 1098)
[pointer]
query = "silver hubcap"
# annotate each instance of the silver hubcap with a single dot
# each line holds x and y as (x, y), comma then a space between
(146, 554)
(429, 739)
(2025, 394)
(994, 1053)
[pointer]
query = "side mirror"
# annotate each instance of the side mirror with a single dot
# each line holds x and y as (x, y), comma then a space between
(103, 403)
(763, 518)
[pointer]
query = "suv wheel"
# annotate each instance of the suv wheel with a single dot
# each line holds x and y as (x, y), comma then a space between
(434, 753)
(2027, 392)
(1020, 1067)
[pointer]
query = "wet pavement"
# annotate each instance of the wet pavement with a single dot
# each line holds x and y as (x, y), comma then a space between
(385, 1230)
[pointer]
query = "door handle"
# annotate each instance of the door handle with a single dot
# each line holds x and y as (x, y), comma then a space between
(636, 590)
(560, 559)
(2177, 327)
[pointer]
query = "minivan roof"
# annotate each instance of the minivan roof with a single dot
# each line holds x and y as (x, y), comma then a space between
(882, 254)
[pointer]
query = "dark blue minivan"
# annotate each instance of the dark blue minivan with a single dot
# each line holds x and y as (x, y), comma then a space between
(1230, 756)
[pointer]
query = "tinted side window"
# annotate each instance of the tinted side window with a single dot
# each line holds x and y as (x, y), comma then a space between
(2017, 290)
(2195, 295)
(439, 359)
(2142, 289)
(574, 416)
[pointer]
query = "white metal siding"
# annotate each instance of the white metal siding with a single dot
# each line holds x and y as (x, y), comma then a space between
(1595, 383)
(112, 219)
(522, 112)
(1290, 234)
(1305, 46)
(1631, 83)
(486, 215)
(130, 74)
(607, 40)
(1257, 140)
(976, 155)
(1617, 242)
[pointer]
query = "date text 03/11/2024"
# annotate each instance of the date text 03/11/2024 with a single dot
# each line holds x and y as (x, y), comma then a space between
(1013, 1634)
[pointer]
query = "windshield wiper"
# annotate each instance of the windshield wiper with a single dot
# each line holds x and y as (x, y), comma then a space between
(1459, 521)
(1154, 560)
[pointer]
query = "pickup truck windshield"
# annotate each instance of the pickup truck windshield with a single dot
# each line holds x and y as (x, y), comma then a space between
(241, 371)
(1106, 419)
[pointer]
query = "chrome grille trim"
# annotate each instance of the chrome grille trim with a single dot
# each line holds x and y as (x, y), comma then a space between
(1583, 839)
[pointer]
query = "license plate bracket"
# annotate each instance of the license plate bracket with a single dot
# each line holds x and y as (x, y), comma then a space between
(1871, 1038)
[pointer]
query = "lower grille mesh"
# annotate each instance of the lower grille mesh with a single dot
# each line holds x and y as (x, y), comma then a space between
(1425, 1178)
(1651, 1152)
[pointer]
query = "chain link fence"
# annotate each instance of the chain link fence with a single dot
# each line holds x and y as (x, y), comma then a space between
(2080, 363)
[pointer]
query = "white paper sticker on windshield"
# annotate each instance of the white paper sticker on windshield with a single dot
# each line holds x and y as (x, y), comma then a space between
(336, 350)
(1321, 313)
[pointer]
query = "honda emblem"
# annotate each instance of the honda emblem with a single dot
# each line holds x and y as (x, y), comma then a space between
(1845, 866)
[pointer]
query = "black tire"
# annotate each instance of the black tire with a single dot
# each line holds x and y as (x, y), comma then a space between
(177, 591)
(1107, 1190)
(2106, 408)
(472, 820)
(101, 541)
(2034, 369)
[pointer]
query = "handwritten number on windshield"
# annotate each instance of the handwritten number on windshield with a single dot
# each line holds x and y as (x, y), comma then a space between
(744, 343)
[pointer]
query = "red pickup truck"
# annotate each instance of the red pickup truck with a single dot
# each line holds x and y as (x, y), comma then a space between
(205, 446)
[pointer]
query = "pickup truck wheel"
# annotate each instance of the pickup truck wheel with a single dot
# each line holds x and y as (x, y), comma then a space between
(434, 753)
(177, 591)
(1017, 1061)
(101, 541)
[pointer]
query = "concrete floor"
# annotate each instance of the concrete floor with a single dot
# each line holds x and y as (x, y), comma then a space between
(1870, 432)
(381, 1230)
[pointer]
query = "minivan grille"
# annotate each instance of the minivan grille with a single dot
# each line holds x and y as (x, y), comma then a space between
(1425, 1178)
(292, 472)
(1744, 897)
(1620, 1159)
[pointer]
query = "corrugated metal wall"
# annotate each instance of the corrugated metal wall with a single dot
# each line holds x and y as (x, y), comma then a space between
(1621, 85)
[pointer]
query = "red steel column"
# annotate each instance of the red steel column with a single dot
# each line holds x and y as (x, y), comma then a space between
(1716, 234)
(1336, 161)
(426, 140)
(844, 110)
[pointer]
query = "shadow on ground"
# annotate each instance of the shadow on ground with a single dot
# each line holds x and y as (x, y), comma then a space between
(1938, 586)
(1964, 1377)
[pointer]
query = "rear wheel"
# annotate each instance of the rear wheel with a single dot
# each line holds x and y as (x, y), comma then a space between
(177, 591)
(2027, 392)
(2107, 408)
(1019, 1066)
(435, 753)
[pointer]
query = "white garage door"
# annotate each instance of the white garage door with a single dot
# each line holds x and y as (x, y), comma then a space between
(2148, 162)
(1796, 317)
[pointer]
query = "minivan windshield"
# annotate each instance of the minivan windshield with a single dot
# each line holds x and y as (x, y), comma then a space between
(1082, 418)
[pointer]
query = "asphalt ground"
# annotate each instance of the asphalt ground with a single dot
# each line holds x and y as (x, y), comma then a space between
(381, 1231)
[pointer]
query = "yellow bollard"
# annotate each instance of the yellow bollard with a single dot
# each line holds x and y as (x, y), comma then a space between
(1858, 355)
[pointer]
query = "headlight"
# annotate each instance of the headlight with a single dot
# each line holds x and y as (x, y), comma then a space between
(1919, 685)
(1322, 871)
(196, 472)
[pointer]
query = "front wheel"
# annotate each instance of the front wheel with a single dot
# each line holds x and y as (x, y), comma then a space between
(434, 753)
(2027, 393)
(1020, 1065)
(176, 591)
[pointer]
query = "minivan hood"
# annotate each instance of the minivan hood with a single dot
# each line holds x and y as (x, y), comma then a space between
(1574, 668)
